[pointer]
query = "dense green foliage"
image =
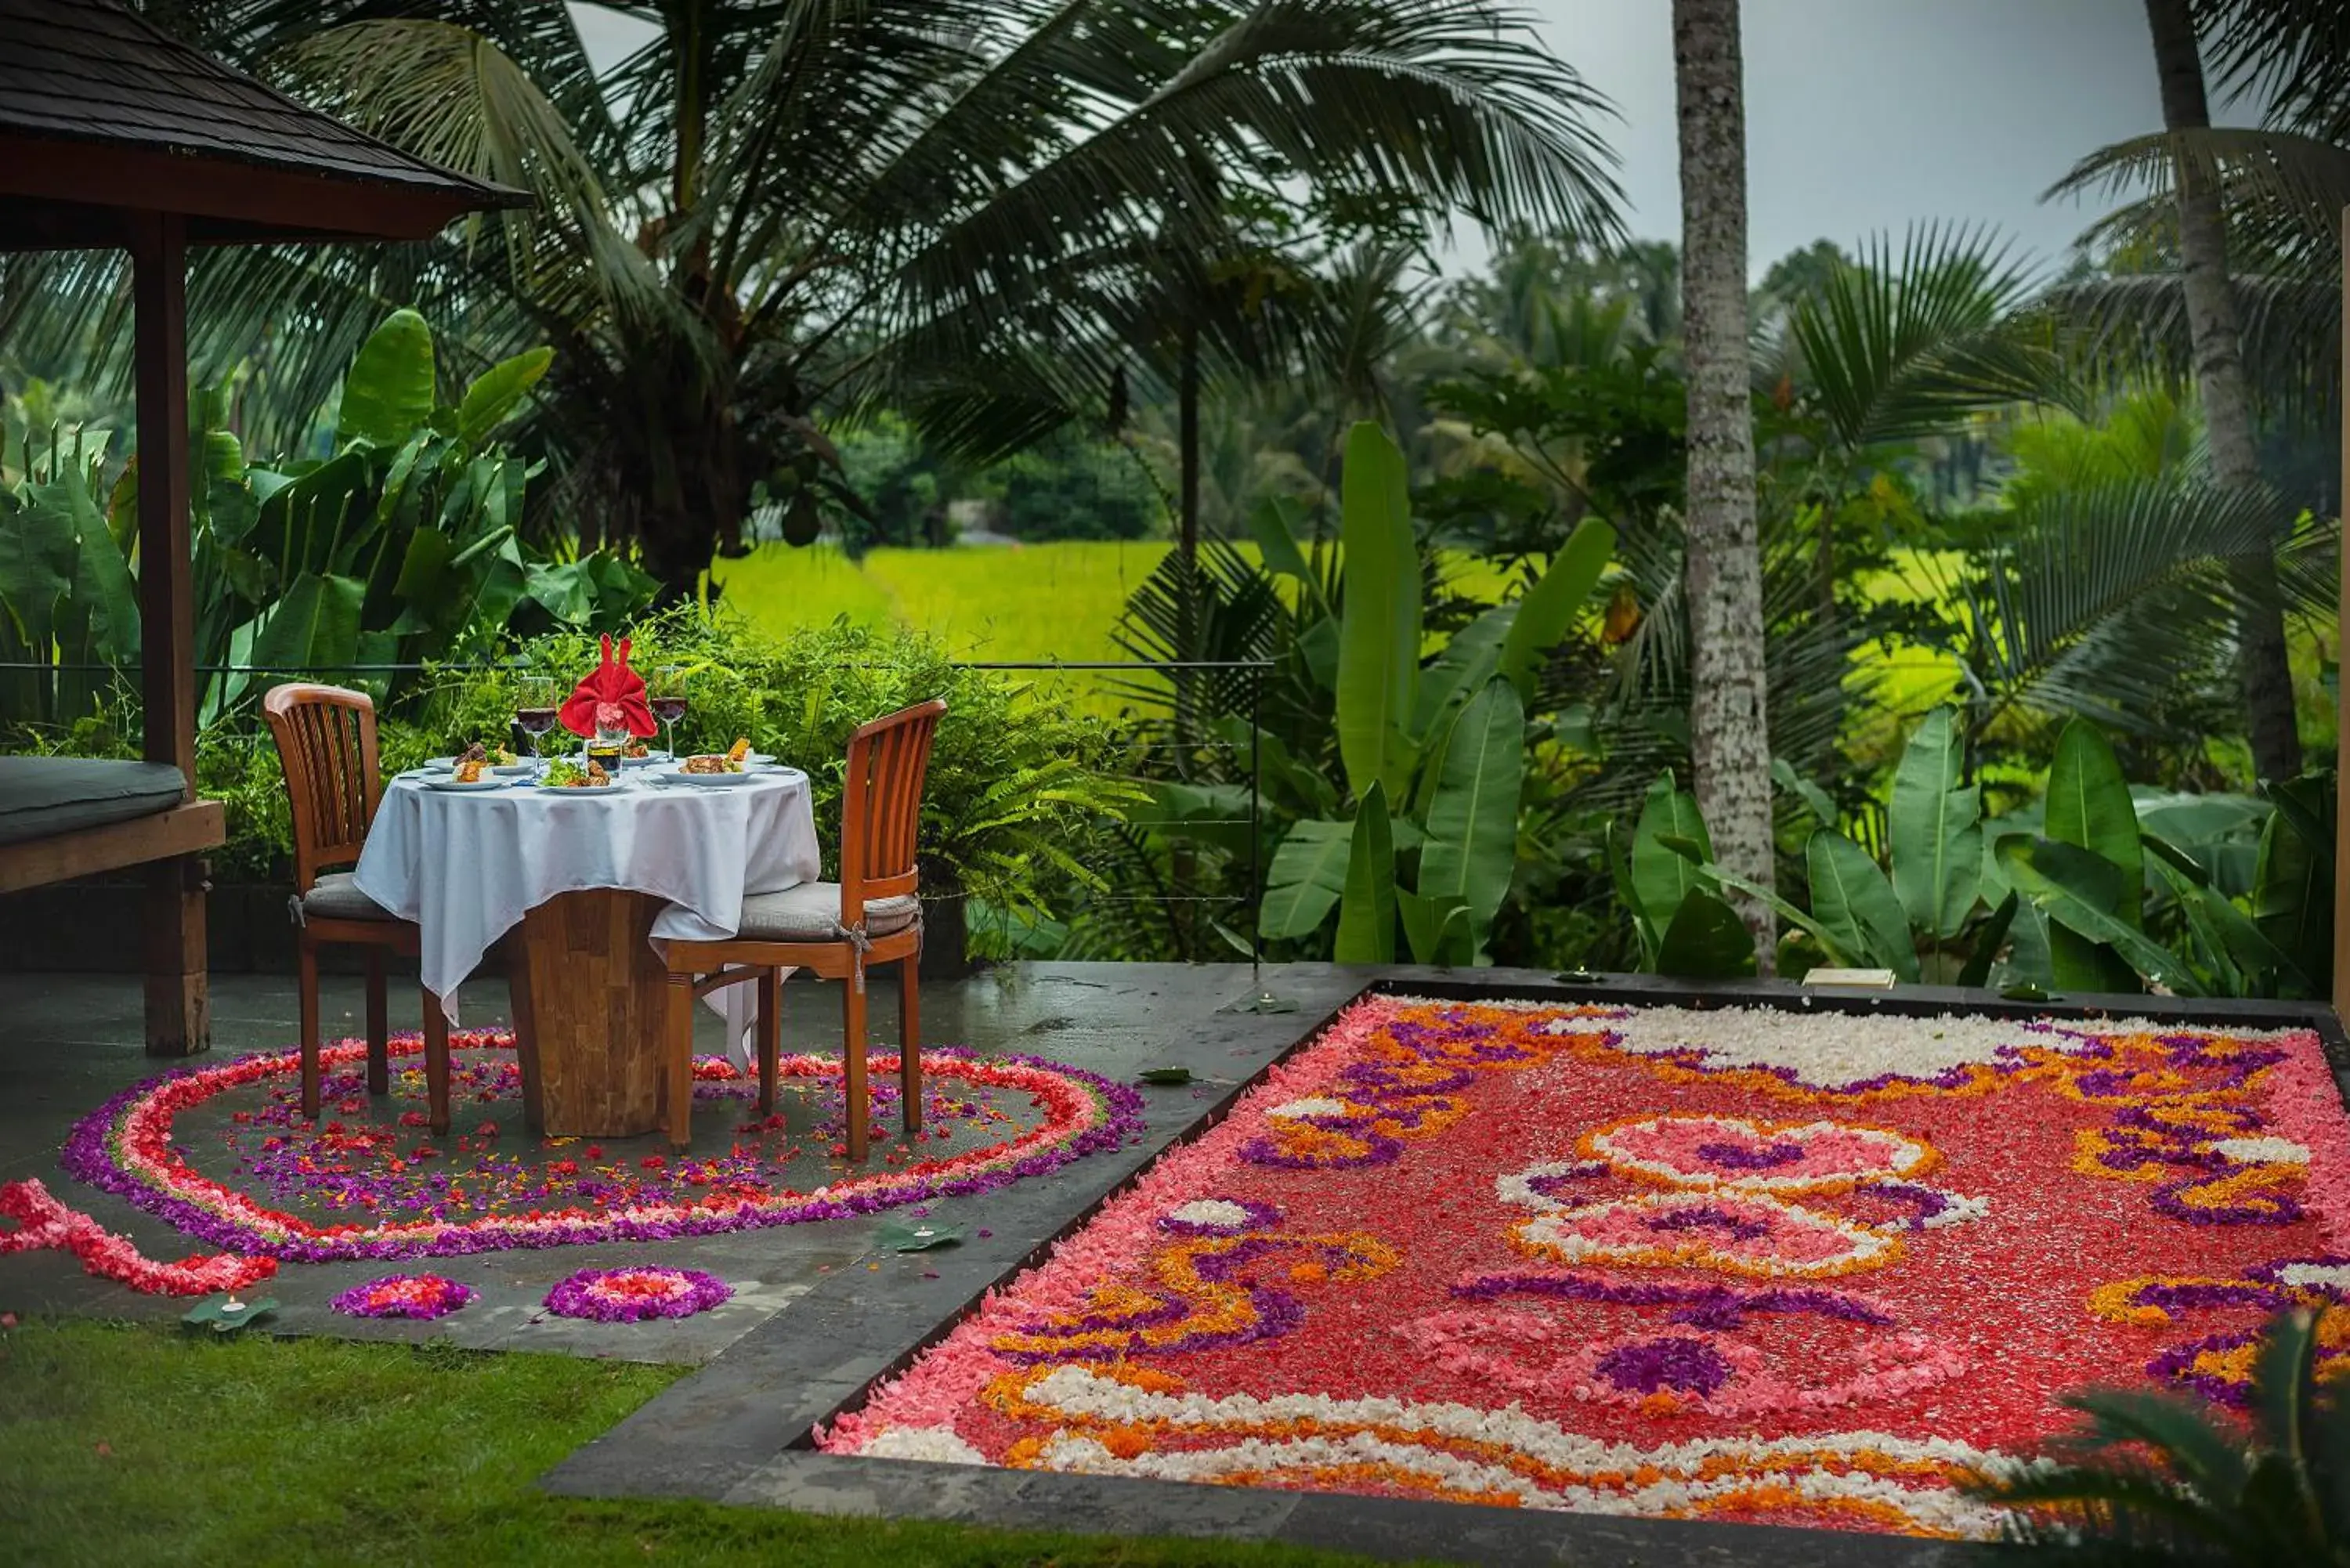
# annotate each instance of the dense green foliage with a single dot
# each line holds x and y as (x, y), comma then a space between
(1015, 779)
(404, 543)
(2098, 888)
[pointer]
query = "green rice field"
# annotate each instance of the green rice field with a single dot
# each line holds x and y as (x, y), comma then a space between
(1060, 602)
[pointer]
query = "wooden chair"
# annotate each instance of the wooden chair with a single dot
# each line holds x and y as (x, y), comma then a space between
(871, 916)
(326, 743)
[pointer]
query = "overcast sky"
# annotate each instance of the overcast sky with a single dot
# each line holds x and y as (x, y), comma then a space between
(1862, 115)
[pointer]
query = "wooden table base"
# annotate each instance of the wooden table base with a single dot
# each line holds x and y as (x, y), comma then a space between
(588, 997)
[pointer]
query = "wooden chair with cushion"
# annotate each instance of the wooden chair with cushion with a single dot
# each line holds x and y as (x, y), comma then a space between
(838, 930)
(326, 743)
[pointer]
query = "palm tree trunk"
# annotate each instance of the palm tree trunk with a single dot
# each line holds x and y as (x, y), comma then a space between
(2265, 676)
(1730, 739)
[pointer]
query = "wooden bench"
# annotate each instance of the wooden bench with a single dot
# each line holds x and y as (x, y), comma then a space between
(62, 817)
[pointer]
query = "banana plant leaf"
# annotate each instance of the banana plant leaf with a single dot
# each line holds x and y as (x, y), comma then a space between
(1459, 673)
(1305, 879)
(1988, 938)
(1934, 825)
(1851, 898)
(496, 394)
(2260, 967)
(1662, 879)
(1436, 928)
(1367, 908)
(1548, 608)
(2089, 806)
(388, 392)
(1815, 799)
(316, 623)
(1379, 633)
(2292, 881)
(1473, 821)
(1836, 949)
(1706, 940)
(1619, 870)
(2076, 888)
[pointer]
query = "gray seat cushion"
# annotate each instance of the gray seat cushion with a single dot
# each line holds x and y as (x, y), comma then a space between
(41, 797)
(335, 897)
(808, 912)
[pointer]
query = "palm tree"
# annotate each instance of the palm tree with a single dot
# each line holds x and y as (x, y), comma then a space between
(1730, 736)
(2210, 296)
(773, 212)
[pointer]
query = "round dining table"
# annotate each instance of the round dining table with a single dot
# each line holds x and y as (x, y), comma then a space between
(581, 882)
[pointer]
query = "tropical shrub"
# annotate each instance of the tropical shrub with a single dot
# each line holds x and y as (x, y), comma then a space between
(2091, 891)
(1015, 779)
(1384, 763)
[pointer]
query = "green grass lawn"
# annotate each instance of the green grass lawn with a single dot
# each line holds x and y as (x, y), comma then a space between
(135, 1445)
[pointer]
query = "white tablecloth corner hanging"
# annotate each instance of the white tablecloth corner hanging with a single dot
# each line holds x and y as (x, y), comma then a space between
(466, 866)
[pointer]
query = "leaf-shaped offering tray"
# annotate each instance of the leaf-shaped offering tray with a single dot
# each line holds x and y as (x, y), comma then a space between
(918, 1237)
(227, 1315)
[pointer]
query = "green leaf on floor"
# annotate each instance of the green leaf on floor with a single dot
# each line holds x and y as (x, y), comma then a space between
(919, 1237)
(213, 1312)
(1165, 1075)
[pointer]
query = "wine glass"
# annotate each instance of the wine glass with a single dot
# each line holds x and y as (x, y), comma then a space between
(666, 697)
(535, 710)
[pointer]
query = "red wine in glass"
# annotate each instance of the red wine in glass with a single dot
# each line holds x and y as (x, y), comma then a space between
(535, 722)
(669, 708)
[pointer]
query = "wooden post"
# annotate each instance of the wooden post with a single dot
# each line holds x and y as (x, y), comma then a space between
(178, 1019)
(2342, 712)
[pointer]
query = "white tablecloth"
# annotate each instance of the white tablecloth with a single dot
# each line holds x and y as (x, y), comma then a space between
(464, 865)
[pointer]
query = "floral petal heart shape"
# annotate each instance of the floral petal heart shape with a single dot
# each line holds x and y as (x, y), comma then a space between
(1736, 1233)
(1735, 1154)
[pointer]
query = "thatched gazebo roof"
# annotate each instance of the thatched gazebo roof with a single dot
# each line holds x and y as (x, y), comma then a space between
(103, 115)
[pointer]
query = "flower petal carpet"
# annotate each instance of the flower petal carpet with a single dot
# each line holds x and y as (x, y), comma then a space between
(1776, 1267)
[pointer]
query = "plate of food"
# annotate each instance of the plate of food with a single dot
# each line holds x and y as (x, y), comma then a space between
(470, 771)
(567, 774)
(636, 754)
(495, 758)
(717, 768)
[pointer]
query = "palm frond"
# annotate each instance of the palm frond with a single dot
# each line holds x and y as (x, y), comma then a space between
(1902, 343)
(2292, 186)
(2103, 596)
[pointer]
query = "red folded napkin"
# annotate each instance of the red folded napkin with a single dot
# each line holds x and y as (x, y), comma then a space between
(611, 699)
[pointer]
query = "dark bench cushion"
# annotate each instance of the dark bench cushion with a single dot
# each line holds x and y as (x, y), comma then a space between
(43, 797)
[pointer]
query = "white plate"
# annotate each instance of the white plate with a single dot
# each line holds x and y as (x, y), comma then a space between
(452, 784)
(760, 757)
(437, 764)
(515, 769)
(650, 759)
(708, 780)
(578, 789)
